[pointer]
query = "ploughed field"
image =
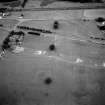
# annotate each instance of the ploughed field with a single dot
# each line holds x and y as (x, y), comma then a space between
(72, 72)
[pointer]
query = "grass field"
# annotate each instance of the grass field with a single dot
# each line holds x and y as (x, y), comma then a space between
(75, 67)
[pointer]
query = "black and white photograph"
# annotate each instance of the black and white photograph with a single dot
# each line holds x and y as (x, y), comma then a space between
(52, 52)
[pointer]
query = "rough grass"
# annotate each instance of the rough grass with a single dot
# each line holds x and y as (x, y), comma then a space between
(22, 75)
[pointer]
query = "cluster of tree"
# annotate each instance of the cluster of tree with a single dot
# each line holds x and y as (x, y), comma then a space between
(7, 0)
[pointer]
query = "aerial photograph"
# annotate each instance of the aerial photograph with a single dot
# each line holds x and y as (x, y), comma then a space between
(52, 52)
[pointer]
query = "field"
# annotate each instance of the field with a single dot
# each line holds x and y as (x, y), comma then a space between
(76, 67)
